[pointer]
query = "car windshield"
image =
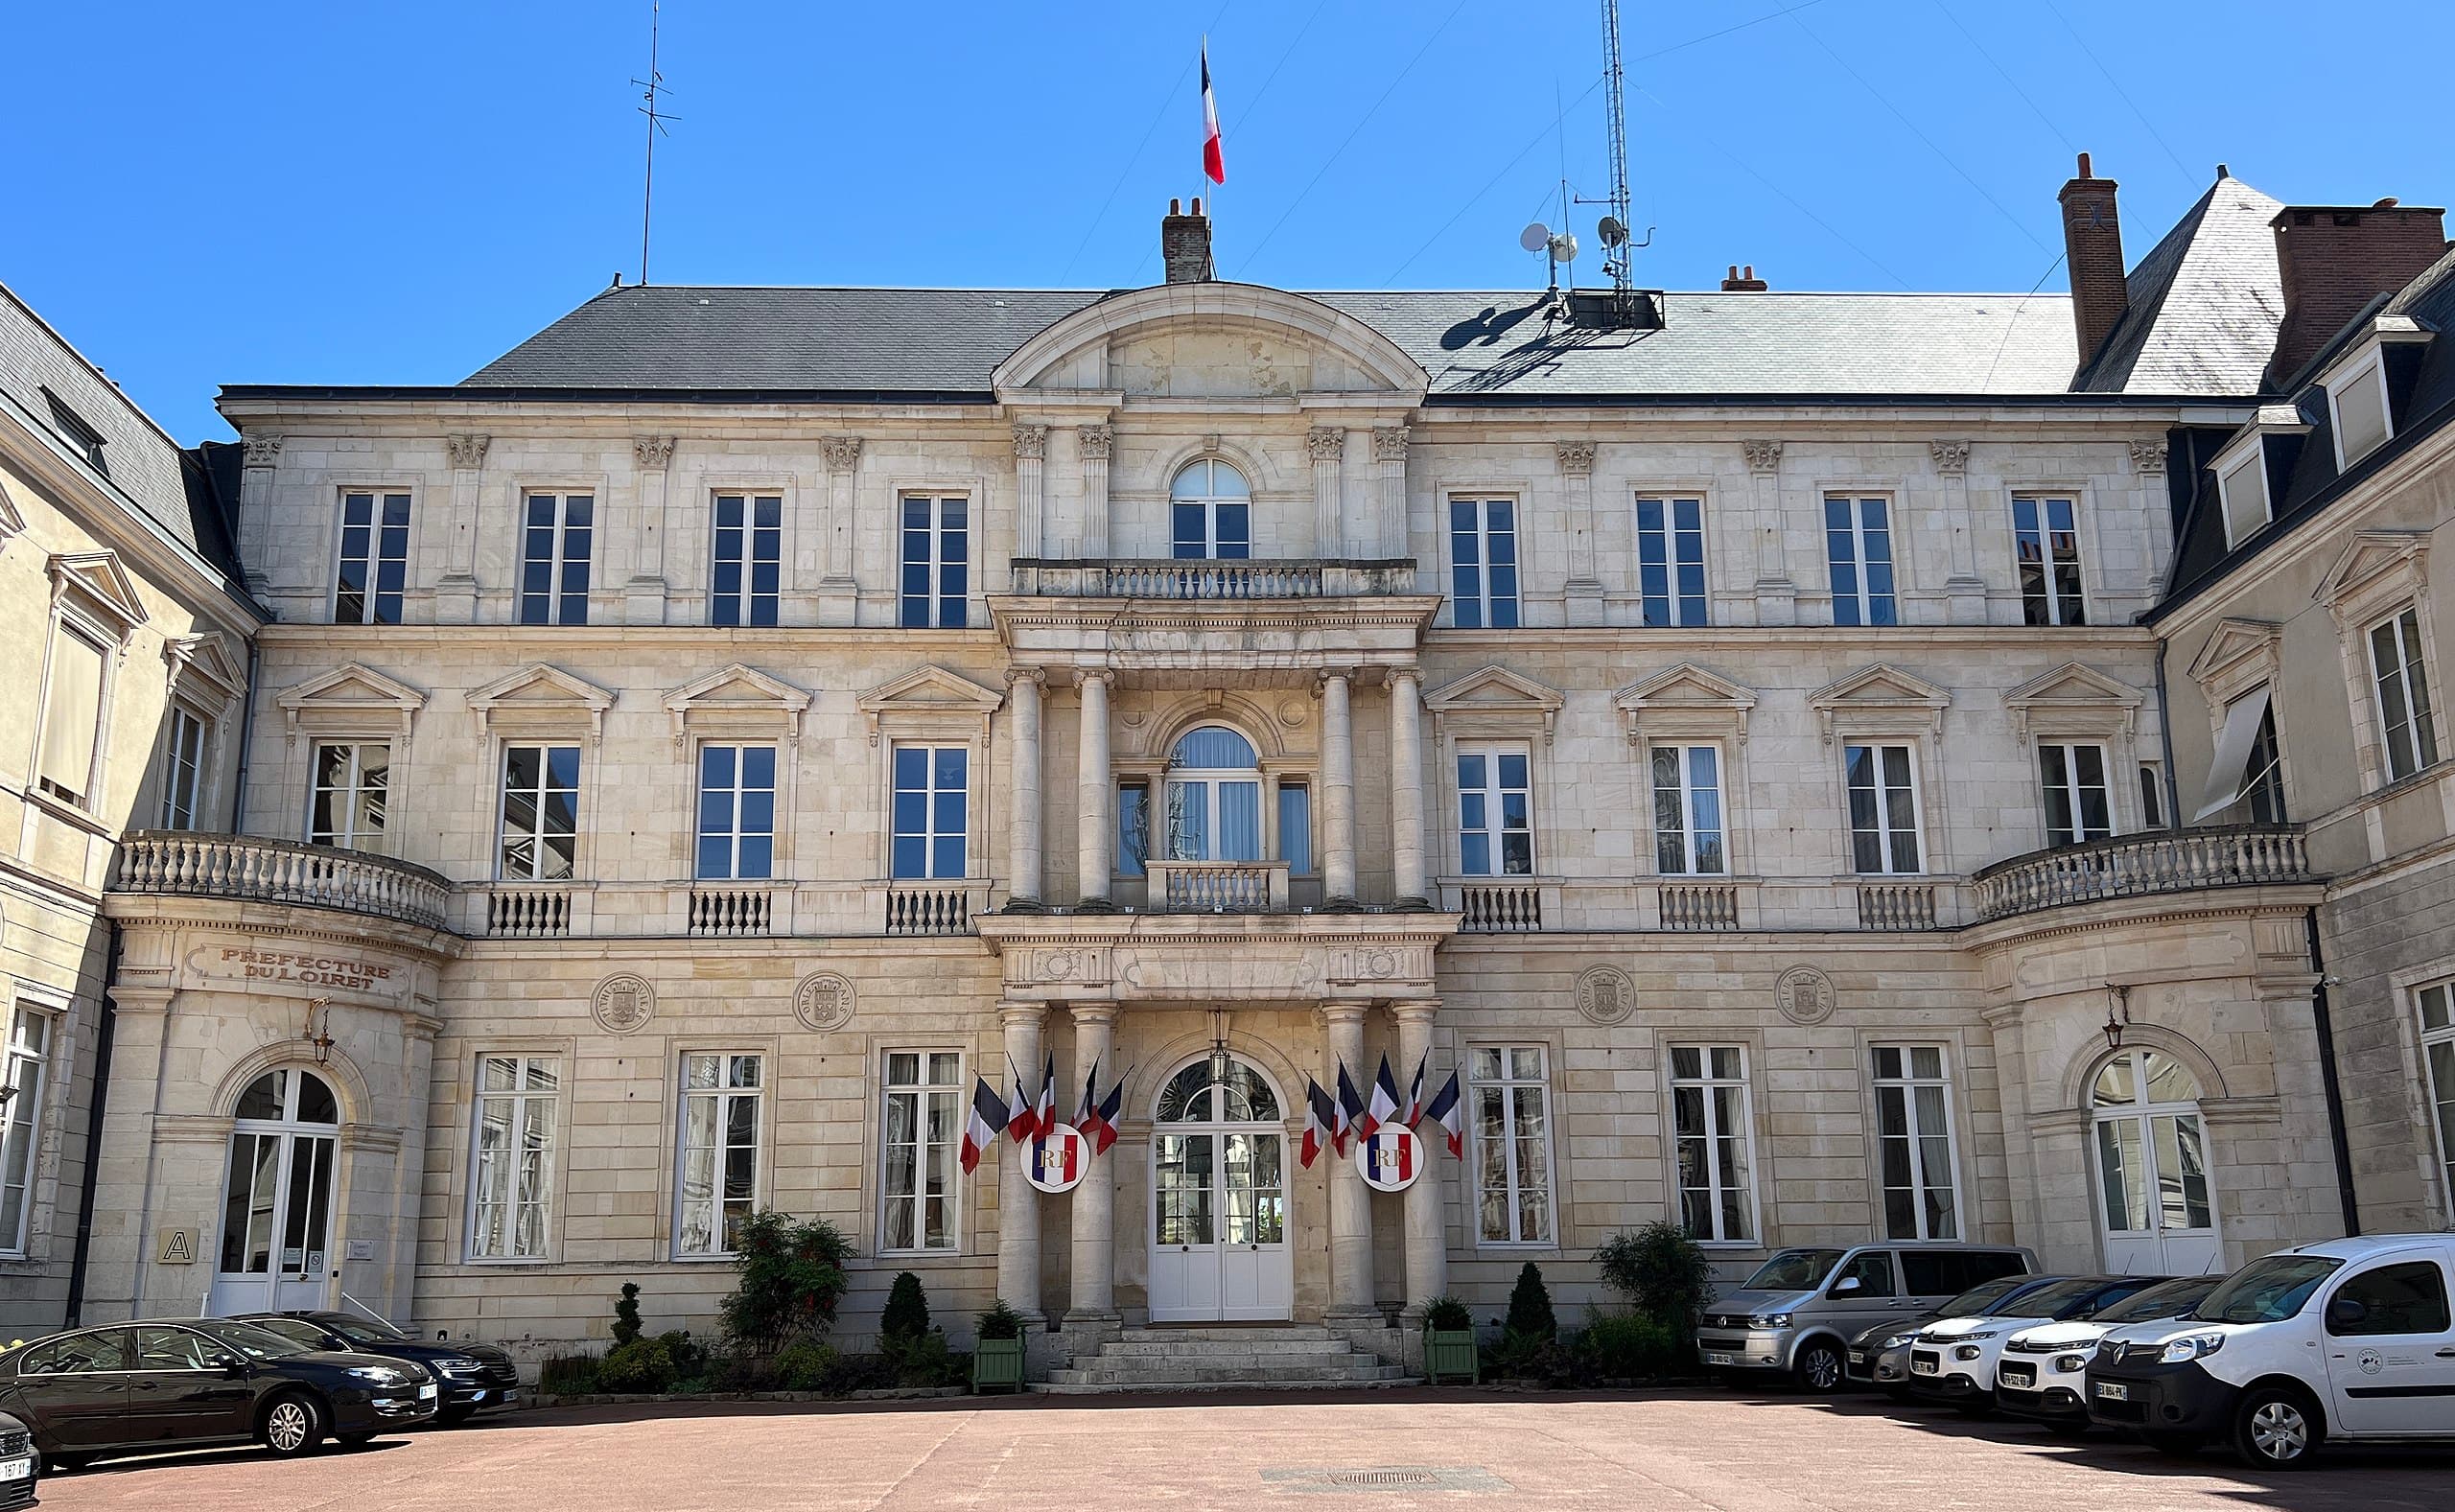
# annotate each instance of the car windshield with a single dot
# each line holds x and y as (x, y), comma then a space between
(2165, 1299)
(1794, 1270)
(366, 1328)
(1974, 1301)
(2054, 1298)
(257, 1343)
(2266, 1290)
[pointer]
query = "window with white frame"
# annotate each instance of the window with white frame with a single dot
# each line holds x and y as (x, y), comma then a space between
(554, 540)
(2241, 490)
(540, 812)
(72, 713)
(2357, 406)
(747, 563)
(2436, 1002)
(922, 1128)
(2402, 680)
(350, 792)
(2048, 532)
(1495, 811)
(1483, 563)
(719, 1165)
(182, 768)
(2072, 778)
(932, 801)
(1687, 810)
(1714, 1142)
(1914, 1142)
(937, 562)
(511, 1183)
(1670, 561)
(1513, 1144)
(1211, 513)
(736, 813)
(374, 559)
(1857, 548)
(1884, 808)
(29, 1058)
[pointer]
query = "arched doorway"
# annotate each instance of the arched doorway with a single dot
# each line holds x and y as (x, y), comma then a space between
(1219, 1242)
(277, 1195)
(2157, 1208)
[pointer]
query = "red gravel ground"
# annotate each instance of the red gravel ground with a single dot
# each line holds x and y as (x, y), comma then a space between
(1666, 1452)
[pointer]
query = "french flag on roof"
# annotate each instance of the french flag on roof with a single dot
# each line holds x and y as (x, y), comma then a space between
(1214, 163)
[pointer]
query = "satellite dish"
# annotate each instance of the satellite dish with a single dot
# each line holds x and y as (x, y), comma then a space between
(1611, 233)
(1535, 236)
(1564, 246)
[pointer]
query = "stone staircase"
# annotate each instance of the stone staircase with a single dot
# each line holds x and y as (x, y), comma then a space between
(1225, 1358)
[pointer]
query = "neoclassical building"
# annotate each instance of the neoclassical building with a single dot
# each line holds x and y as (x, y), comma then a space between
(1774, 747)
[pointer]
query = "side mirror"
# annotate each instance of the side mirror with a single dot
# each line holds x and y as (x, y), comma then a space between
(2344, 1315)
(1845, 1285)
(232, 1366)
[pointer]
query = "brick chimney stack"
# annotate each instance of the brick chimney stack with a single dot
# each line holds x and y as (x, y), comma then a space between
(1184, 244)
(2335, 259)
(1743, 283)
(2092, 250)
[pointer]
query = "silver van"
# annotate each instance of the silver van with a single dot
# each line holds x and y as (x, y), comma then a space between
(1797, 1314)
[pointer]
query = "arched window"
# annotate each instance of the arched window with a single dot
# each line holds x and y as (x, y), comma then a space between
(2152, 1163)
(1212, 512)
(289, 1097)
(1214, 798)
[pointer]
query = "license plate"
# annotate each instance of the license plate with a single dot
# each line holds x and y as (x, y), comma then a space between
(511, 1396)
(1924, 1367)
(2114, 1391)
(2018, 1376)
(1721, 1360)
(17, 1469)
(1857, 1357)
(426, 1393)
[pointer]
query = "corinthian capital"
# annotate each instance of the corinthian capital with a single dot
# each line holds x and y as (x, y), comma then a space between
(1951, 457)
(653, 451)
(1325, 443)
(1763, 457)
(1030, 442)
(843, 453)
(467, 451)
(1390, 444)
(1576, 457)
(1094, 441)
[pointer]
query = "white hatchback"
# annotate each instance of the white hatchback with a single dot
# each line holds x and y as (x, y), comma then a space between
(2042, 1373)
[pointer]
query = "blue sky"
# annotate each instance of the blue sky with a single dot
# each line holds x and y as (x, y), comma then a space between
(389, 192)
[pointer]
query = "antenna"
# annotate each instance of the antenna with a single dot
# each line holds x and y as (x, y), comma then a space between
(1613, 231)
(652, 86)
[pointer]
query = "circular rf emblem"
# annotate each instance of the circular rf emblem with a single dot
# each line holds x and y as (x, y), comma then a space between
(622, 1004)
(1804, 995)
(823, 1001)
(1605, 995)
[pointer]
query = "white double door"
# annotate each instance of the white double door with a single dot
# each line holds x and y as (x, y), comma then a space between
(2160, 1213)
(1219, 1249)
(277, 1218)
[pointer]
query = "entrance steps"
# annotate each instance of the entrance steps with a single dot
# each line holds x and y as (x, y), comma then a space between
(1260, 1358)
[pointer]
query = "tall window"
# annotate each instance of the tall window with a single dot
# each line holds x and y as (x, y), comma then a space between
(736, 812)
(2437, 1004)
(29, 1056)
(1214, 798)
(1296, 827)
(1671, 559)
(2077, 805)
(719, 1160)
(1495, 814)
(1915, 1135)
(1858, 544)
(72, 713)
(1133, 827)
(923, 1125)
(1884, 808)
(1715, 1145)
(937, 562)
(540, 812)
(2263, 773)
(184, 770)
(1687, 810)
(2049, 552)
(1483, 563)
(1211, 513)
(352, 784)
(748, 559)
(512, 1181)
(932, 795)
(553, 558)
(2403, 683)
(2152, 796)
(374, 558)
(1512, 1145)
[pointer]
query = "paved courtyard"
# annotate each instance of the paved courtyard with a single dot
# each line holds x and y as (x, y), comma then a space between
(1661, 1453)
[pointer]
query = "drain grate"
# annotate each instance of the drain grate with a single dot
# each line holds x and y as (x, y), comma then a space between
(1367, 1480)
(1384, 1478)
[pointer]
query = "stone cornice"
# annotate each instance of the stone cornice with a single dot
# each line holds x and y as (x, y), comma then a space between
(2101, 915)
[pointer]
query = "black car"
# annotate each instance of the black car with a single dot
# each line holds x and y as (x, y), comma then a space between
(154, 1385)
(474, 1378)
(18, 1465)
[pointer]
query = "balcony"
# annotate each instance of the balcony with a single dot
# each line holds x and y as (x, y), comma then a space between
(1218, 887)
(2136, 866)
(1178, 581)
(247, 868)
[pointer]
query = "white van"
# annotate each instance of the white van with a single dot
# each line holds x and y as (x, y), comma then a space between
(2348, 1339)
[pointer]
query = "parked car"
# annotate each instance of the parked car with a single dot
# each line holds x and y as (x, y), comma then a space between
(152, 1385)
(1880, 1357)
(1797, 1314)
(19, 1465)
(2043, 1370)
(2347, 1340)
(1952, 1360)
(474, 1378)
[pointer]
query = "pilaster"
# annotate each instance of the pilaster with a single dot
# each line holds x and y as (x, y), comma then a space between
(1337, 792)
(1964, 591)
(456, 592)
(1326, 445)
(1094, 442)
(1777, 596)
(838, 593)
(645, 596)
(1584, 587)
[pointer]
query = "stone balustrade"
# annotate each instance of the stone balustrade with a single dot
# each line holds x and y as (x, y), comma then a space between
(732, 910)
(926, 908)
(249, 869)
(1499, 907)
(1204, 579)
(1698, 905)
(2130, 866)
(1219, 887)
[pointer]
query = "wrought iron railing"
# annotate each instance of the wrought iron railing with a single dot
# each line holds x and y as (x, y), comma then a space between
(258, 869)
(2131, 866)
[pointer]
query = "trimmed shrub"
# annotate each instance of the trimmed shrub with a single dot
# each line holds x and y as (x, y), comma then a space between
(689, 1359)
(927, 1361)
(789, 1280)
(1000, 1321)
(905, 1322)
(626, 1314)
(1631, 1346)
(1530, 1307)
(805, 1366)
(1660, 1269)
(1447, 1313)
(644, 1364)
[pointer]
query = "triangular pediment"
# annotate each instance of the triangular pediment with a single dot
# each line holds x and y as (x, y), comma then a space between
(207, 664)
(930, 689)
(101, 585)
(737, 688)
(1494, 689)
(351, 687)
(1685, 686)
(2369, 557)
(1879, 687)
(2072, 686)
(540, 693)
(2234, 641)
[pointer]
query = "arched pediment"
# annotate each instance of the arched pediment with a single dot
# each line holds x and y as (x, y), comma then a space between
(1209, 341)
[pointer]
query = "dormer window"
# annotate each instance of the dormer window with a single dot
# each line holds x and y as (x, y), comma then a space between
(1212, 510)
(2358, 401)
(2250, 466)
(2243, 488)
(82, 437)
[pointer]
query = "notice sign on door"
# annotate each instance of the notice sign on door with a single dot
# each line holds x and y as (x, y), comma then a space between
(177, 1248)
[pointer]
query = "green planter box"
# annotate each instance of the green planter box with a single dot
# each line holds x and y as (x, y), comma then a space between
(1451, 1352)
(998, 1363)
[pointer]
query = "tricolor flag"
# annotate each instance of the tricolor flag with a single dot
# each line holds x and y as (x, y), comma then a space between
(1448, 1110)
(1384, 1108)
(1350, 1111)
(1213, 163)
(1087, 1113)
(1044, 1111)
(1025, 1122)
(1320, 1116)
(1413, 1113)
(988, 1117)
(1110, 1108)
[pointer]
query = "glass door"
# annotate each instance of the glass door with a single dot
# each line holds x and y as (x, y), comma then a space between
(1218, 1248)
(277, 1197)
(2151, 1151)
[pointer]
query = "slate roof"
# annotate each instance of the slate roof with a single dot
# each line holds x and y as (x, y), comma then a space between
(2203, 307)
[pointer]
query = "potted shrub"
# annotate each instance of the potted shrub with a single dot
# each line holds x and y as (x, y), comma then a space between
(1449, 1342)
(997, 1359)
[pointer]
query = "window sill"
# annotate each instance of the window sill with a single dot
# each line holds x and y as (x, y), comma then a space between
(67, 812)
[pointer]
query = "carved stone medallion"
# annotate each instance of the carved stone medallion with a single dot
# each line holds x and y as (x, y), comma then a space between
(624, 1004)
(823, 1001)
(1804, 995)
(1605, 995)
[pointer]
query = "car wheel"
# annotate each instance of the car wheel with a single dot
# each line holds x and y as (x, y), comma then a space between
(294, 1424)
(1818, 1367)
(2277, 1428)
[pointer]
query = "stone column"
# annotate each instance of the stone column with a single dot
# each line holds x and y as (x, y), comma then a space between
(1018, 1200)
(1327, 446)
(1031, 489)
(1427, 1240)
(1406, 788)
(1584, 587)
(456, 595)
(1965, 591)
(1095, 1298)
(839, 595)
(1338, 793)
(1389, 495)
(1094, 442)
(643, 595)
(1350, 1199)
(1095, 799)
(1777, 598)
(1024, 870)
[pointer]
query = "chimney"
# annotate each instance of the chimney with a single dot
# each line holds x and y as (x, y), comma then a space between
(1742, 283)
(1184, 244)
(2092, 250)
(2335, 259)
